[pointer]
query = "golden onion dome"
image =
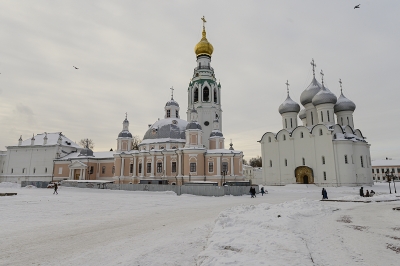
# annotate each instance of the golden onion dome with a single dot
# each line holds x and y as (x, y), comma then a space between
(204, 47)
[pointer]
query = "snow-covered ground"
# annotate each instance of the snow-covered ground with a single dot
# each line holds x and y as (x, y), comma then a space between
(288, 226)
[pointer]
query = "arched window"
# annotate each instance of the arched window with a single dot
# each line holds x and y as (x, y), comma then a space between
(324, 175)
(269, 139)
(312, 118)
(322, 117)
(206, 94)
(284, 137)
(196, 95)
(320, 132)
(327, 113)
(215, 96)
(285, 123)
(168, 113)
(176, 114)
(291, 123)
(301, 135)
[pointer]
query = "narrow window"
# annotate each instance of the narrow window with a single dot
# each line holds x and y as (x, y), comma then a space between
(269, 139)
(304, 161)
(103, 170)
(225, 167)
(373, 177)
(312, 119)
(285, 162)
(140, 168)
(91, 170)
(210, 167)
(372, 170)
(284, 137)
(301, 135)
(23, 170)
(34, 170)
(324, 175)
(379, 178)
(352, 161)
(12, 170)
(348, 121)
(45, 170)
(173, 167)
(323, 159)
(398, 170)
(196, 95)
(113, 170)
(270, 163)
(320, 132)
(285, 123)
(377, 171)
(322, 116)
(291, 123)
(148, 168)
(327, 113)
(206, 94)
(168, 113)
(345, 159)
(159, 167)
(215, 96)
(131, 168)
(362, 162)
(176, 113)
(59, 170)
(341, 119)
(192, 167)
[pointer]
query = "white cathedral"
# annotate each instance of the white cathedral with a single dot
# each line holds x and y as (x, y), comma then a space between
(325, 150)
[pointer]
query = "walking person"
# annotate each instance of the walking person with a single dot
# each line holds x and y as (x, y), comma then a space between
(253, 192)
(55, 189)
(262, 191)
(324, 194)
(361, 192)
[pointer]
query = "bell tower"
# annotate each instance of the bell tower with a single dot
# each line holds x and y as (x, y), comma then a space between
(204, 93)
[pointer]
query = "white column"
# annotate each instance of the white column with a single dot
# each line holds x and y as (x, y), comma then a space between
(134, 167)
(152, 166)
(179, 165)
(198, 139)
(143, 166)
(81, 175)
(165, 165)
(218, 165)
(232, 168)
(122, 167)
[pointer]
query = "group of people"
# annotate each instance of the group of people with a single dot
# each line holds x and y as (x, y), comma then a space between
(253, 191)
(367, 193)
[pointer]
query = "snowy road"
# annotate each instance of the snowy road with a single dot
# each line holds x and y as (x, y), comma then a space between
(103, 227)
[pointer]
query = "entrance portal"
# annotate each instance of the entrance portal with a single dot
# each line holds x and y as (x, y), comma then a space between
(304, 175)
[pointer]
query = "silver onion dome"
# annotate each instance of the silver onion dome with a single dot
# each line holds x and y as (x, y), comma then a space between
(344, 104)
(193, 125)
(308, 94)
(172, 102)
(289, 106)
(324, 96)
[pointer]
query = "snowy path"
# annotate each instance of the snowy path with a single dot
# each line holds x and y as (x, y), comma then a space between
(103, 227)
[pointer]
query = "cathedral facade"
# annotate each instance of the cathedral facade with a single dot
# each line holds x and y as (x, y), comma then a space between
(326, 149)
(173, 150)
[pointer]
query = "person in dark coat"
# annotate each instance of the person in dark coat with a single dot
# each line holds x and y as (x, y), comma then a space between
(362, 192)
(55, 189)
(253, 192)
(371, 193)
(367, 194)
(262, 191)
(324, 194)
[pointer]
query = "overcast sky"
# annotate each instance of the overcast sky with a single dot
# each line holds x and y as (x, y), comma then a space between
(129, 53)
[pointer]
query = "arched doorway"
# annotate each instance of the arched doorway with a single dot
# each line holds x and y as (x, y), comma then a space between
(304, 175)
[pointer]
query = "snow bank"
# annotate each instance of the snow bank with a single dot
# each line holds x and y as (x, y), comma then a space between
(263, 234)
(9, 185)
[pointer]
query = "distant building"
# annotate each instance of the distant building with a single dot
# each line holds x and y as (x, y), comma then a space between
(325, 150)
(380, 167)
(32, 159)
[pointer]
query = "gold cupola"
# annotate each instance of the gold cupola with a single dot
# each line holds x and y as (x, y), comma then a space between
(203, 47)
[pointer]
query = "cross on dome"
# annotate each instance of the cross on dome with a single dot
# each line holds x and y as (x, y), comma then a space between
(287, 86)
(322, 76)
(126, 115)
(172, 92)
(341, 88)
(204, 21)
(313, 67)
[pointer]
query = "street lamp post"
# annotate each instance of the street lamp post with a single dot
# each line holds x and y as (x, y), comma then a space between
(388, 179)
(223, 173)
(394, 183)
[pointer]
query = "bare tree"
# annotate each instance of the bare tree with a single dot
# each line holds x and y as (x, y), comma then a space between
(256, 162)
(87, 143)
(244, 162)
(135, 142)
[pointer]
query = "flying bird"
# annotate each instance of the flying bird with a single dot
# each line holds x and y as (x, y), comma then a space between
(75, 67)
(357, 6)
